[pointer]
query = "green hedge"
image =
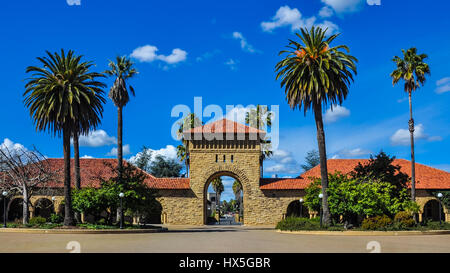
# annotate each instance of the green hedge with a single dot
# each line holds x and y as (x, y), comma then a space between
(296, 223)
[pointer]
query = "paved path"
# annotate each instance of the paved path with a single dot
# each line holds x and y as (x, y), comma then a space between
(220, 239)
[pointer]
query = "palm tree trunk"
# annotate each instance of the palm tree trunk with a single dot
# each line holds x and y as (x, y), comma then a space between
(68, 216)
(413, 160)
(119, 140)
(323, 163)
(119, 154)
(76, 161)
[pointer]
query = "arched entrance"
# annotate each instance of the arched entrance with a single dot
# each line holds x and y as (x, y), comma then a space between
(297, 209)
(15, 210)
(43, 207)
(154, 215)
(431, 211)
(226, 205)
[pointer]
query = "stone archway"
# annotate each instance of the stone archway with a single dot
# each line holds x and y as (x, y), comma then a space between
(431, 211)
(43, 207)
(297, 209)
(206, 186)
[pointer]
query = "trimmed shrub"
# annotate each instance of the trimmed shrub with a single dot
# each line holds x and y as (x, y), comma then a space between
(56, 218)
(382, 222)
(36, 221)
(404, 219)
(295, 223)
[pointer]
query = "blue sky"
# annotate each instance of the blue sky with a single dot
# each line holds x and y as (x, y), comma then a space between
(225, 52)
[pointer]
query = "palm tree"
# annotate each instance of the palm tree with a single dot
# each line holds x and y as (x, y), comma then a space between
(218, 187)
(412, 69)
(189, 122)
(259, 118)
(122, 69)
(315, 75)
(237, 189)
(63, 96)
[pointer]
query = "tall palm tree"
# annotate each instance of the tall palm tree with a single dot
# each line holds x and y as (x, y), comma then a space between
(63, 96)
(189, 122)
(315, 75)
(412, 70)
(237, 189)
(259, 118)
(122, 69)
(218, 187)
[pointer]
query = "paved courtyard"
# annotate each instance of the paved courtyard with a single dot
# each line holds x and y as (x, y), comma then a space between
(220, 239)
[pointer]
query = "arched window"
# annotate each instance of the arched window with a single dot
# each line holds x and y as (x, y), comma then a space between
(297, 209)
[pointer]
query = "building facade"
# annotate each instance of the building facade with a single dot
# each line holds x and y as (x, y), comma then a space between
(226, 148)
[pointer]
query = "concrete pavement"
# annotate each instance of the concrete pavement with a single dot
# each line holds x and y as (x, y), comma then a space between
(226, 239)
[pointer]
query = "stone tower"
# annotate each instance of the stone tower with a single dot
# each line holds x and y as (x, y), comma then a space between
(225, 148)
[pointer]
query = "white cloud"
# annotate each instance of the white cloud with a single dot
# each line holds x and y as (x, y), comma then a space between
(97, 138)
(12, 148)
(125, 151)
(232, 64)
(353, 153)
(287, 17)
(87, 156)
(330, 26)
(402, 137)
(73, 2)
(326, 12)
(244, 44)
(335, 113)
(344, 6)
(148, 53)
(282, 162)
(443, 85)
(178, 55)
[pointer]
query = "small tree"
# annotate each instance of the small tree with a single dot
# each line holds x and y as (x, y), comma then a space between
(138, 199)
(381, 168)
(143, 159)
(312, 195)
(163, 167)
(25, 172)
(312, 159)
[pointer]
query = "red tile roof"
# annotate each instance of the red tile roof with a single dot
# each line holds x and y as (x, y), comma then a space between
(283, 183)
(92, 169)
(175, 183)
(224, 126)
(426, 177)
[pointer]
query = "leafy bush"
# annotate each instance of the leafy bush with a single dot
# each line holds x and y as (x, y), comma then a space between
(36, 221)
(103, 202)
(56, 218)
(436, 226)
(382, 222)
(404, 219)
